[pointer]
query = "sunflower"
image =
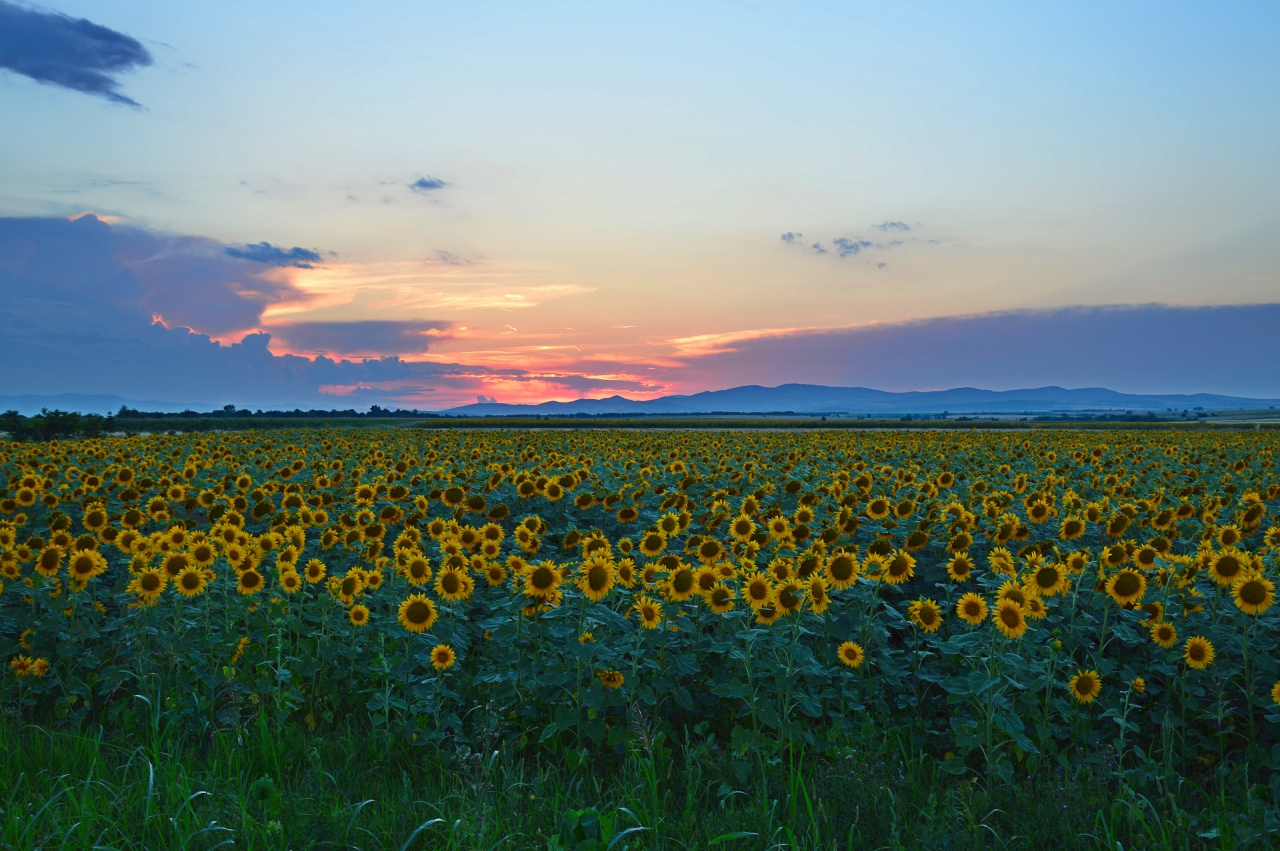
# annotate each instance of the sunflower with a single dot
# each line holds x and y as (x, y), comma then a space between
(290, 582)
(1164, 634)
(358, 615)
(443, 657)
(315, 571)
(972, 609)
(454, 585)
(649, 610)
(1009, 619)
(819, 598)
(1228, 566)
(85, 565)
(1198, 652)
(1072, 528)
(1254, 595)
(878, 508)
(49, 561)
(1275, 693)
(960, 567)
(346, 587)
(1085, 686)
(789, 597)
(1000, 561)
(926, 614)
(669, 524)
(841, 571)
(680, 585)
(626, 573)
(960, 543)
(495, 574)
(203, 554)
(757, 591)
(1076, 562)
(1048, 580)
(652, 544)
(191, 581)
(900, 567)
(175, 564)
(250, 582)
(742, 528)
(417, 570)
(710, 551)
(851, 654)
(417, 613)
(1127, 586)
(1035, 609)
(596, 578)
(1012, 592)
(611, 679)
(768, 614)
(542, 580)
(148, 584)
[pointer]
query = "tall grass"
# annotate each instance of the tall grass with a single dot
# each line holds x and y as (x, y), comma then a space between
(291, 788)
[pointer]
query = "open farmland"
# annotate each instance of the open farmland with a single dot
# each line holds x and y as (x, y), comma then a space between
(997, 606)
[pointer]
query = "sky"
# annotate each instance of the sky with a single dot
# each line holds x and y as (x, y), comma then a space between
(426, 204)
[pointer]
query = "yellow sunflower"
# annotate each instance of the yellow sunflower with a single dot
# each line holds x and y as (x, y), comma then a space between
(972, 609)
(1085, 686)
(417, 613)
(851, 654)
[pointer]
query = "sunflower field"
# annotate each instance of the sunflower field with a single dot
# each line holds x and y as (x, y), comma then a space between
(1003, 599)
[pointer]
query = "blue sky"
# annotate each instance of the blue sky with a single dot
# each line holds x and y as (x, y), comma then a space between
(554, 199)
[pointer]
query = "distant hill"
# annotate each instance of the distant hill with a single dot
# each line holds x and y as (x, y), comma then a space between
(817, 399)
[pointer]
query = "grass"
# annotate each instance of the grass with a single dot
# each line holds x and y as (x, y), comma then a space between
(258, 788)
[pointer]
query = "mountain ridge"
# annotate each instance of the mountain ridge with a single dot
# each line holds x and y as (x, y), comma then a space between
(821, 399)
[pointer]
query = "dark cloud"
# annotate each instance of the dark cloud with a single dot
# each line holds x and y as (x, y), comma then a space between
(1150, 348)
(850, 246)
(73, 53)
(818, 249)
(369, 338)
(79, 308)
(129, 272)
(427, 184)
(885, 226)
(274, 255)
(790, 237)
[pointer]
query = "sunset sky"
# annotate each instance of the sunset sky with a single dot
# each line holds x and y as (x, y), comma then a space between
(550, 200)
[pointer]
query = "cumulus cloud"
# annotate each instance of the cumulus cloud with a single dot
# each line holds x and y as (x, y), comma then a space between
(274, 255)
(73, 53)
(375, 338)
(790, 237)
(887, 226)
(427, 184)
(1149, 348)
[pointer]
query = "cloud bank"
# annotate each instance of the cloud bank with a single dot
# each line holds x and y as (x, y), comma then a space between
(88, 307)
(73, 53)
(1150, 348)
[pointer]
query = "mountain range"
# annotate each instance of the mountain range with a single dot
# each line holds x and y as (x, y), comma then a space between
(817, 399)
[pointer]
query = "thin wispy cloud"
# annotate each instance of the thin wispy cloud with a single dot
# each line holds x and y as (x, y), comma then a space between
(852, 246)
(274, 255)
(73, 53)
(427, 184)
